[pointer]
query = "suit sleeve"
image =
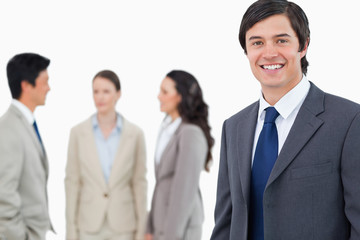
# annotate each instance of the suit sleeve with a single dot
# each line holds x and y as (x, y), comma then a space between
(350, 174)
(72, 187)
(12, 224)
(223, 207)
(139, 186)
(189, 164)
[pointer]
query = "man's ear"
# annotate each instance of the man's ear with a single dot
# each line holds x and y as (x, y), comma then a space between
(304, 51)
(25, 85)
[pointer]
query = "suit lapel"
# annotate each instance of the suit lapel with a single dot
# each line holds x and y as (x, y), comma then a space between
(167, 148)
(118, 163)
(245, 139)
(304, 127)
(31, 132)
(93, 156)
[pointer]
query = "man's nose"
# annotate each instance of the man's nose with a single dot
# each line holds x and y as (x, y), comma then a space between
(270, 51)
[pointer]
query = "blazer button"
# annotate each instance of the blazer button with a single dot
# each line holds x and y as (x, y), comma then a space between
(106, 195)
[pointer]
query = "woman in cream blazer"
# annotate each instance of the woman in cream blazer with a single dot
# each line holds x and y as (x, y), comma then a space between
(105, 174)
(183, 150)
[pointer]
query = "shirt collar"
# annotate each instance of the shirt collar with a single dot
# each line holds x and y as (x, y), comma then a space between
(24, 110)
(286, 105)
(95, 122)
(170, 126)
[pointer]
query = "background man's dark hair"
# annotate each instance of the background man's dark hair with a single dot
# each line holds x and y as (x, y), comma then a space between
(24, 67)
(262, 9)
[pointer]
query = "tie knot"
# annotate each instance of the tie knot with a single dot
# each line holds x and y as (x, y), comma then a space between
(271, 115)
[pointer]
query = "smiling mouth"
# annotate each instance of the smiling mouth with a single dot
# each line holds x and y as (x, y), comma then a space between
(272, 67)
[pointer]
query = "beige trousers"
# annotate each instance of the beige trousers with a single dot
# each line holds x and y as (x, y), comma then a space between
(106, 233)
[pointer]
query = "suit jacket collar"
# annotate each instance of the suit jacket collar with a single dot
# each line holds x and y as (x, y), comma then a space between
(119, 120)
(118, 169)
(94, 162)
(167, 148)
(245, 138)
(30, 130)
(304, 127)
(29, 116)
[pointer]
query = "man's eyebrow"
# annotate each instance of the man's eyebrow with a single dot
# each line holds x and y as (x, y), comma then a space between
(276, 36)
(282, 35)
(254, 37)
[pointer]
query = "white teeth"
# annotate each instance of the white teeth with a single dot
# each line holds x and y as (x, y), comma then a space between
(272, 67)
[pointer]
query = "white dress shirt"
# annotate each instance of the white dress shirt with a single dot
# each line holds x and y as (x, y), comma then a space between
(167, 130)
(288, 107)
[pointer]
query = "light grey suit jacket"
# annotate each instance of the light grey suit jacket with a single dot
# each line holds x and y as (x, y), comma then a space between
(23, 177)
(313, 191)
(177, 209)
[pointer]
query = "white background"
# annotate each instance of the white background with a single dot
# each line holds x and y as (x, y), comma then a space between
(143, 40)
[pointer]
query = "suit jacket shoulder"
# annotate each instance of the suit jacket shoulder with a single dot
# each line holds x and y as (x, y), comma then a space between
(9, 122)
(244, 113)
(186, 129)
(131, 126)
(85, 125)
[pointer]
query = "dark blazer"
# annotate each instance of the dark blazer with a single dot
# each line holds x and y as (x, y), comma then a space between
(176, 209)
(23, 178)
(313, 191)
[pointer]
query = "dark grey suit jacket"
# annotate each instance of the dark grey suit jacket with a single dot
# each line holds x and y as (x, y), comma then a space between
(313, 191)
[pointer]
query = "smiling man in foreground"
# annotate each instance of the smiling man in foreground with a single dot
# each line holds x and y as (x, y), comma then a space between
(290, 162)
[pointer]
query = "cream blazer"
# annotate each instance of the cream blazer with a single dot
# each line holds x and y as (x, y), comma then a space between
(89, 199)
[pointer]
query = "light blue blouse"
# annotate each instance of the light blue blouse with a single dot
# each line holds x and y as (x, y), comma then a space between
(107, 148)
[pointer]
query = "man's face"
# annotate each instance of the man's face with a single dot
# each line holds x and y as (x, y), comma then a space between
(41, 88)
(273, 52)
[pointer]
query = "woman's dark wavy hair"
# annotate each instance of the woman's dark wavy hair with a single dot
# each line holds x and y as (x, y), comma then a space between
(192, 107)
(262, 9)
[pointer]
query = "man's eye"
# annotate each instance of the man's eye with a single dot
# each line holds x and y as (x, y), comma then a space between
(257, 43)
(282, 41)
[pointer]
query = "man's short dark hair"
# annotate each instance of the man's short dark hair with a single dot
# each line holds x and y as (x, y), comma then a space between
(24, 67)
(263, 9)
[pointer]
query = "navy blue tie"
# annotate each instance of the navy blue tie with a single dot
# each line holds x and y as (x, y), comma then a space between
(37, 132)
(266, 153)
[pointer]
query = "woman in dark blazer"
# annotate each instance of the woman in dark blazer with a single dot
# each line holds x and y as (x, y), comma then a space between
(183, 150)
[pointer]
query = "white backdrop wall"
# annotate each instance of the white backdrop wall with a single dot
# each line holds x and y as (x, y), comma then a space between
(142, 41)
